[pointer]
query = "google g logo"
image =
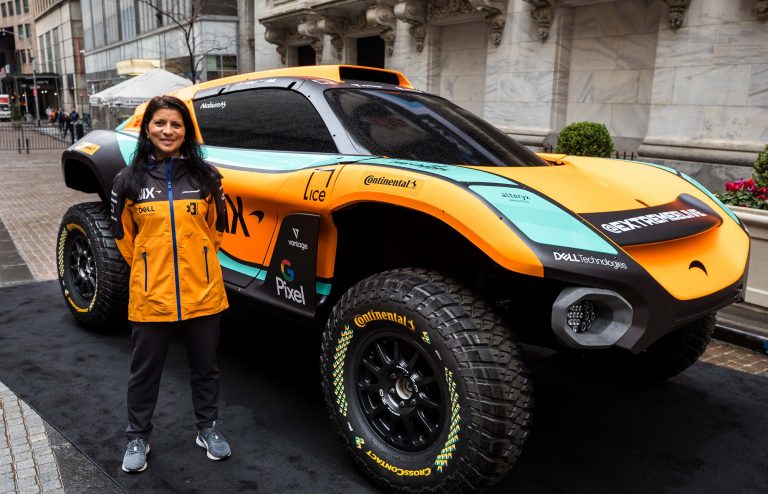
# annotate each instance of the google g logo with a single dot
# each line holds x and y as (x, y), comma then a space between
(286, 271)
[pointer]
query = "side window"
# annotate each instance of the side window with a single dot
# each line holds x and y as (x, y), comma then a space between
(269, 119)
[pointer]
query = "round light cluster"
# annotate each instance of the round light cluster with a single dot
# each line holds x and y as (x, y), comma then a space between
(580, 316)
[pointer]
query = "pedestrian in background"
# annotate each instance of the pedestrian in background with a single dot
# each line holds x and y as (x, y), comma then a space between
(60, 120)
(169, 216)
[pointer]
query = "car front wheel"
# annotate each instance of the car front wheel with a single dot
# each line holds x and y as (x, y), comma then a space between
(425, 384)
(92, 273)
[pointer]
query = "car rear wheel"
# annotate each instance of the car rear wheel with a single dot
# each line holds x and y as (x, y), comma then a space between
(92, 273)
(425, 384)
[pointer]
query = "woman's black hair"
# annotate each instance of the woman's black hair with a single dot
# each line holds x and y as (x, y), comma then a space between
(203, 175)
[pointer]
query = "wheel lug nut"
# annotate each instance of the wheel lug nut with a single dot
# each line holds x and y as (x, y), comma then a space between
(391, 391)
(413, 402)
(402, 403)
(393, 375)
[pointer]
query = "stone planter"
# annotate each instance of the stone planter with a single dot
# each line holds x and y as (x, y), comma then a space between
(757, 223)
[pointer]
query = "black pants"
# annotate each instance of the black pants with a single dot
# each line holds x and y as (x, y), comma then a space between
(150, 347)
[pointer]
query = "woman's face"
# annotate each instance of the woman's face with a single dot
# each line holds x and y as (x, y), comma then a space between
(166, 133)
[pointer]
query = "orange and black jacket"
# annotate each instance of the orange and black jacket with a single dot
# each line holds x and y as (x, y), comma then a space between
(169, 237)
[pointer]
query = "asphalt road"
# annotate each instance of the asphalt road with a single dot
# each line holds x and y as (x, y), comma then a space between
(702, 432)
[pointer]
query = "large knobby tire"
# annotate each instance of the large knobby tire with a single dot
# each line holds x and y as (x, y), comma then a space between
(92, 273)
(670, 355)
(425, 384)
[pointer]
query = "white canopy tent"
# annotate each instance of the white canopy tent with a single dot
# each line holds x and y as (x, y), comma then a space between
(115, 104)
(139, 89)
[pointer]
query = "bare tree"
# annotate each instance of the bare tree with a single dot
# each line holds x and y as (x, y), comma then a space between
(184, 16)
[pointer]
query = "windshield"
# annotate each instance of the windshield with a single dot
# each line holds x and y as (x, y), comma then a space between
(417, 126)
(5, 107)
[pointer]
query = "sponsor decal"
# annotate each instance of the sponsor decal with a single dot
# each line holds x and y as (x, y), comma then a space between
(213, 105)
(88, 148)
(285, 269)
(425, 337)
(238, 218)
(192, 208)
(296, 243)
(292, 294)
(589, 259)
(338, 370)
(372, 315)
(390, 182)
(317, 185)
(646, 220)
(446, 453)
(400, 472)
(359, 441)
(190, 191)
(145, 209)
(148, 193)
(516, 196)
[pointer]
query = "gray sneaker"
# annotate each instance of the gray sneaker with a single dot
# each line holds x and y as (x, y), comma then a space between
(135, 459)
(214, 443)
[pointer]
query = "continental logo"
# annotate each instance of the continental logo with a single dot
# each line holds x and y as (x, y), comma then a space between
(390, 182)
(362, 319)
(400, 472)
(647, 220)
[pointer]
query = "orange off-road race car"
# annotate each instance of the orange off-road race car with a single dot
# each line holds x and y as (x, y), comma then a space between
(431, 247)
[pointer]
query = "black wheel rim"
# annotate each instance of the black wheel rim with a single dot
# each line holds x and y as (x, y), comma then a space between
(399, 390)
(82, 268)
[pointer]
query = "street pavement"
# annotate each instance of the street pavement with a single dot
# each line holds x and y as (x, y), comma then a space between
(34, 457)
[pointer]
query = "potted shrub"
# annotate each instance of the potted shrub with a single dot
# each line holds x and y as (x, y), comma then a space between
(585, 139)
(749, 200)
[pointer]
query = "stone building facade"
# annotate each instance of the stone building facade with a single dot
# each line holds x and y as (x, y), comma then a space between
(681, 82)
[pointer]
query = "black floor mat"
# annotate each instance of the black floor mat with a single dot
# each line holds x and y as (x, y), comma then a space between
(702, 432)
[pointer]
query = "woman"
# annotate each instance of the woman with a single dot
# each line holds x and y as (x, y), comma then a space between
(169, 215)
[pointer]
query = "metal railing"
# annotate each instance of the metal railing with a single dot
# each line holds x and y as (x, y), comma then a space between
(26, 137)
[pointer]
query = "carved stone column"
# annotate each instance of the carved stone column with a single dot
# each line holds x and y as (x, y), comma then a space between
(382, 16)
(414, 13)
(277, 37)
(677, 10)
(333, 27)
(495, 16)
(544, 13)
(308, 29)
(761, 9)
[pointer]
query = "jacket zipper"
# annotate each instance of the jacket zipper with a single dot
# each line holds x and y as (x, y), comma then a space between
(146, 275)
(169, 180)
(205, 254)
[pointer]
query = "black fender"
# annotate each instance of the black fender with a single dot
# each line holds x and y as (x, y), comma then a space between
(90, 164)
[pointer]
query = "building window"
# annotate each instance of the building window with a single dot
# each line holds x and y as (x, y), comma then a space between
(28, 30)
(10, 9)
(18, 7)
(217, 66)
(5, 12)
(306, 55)
(21, 31)
(23, 56)
(370, 52)
(26, 6)
(57, 54)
